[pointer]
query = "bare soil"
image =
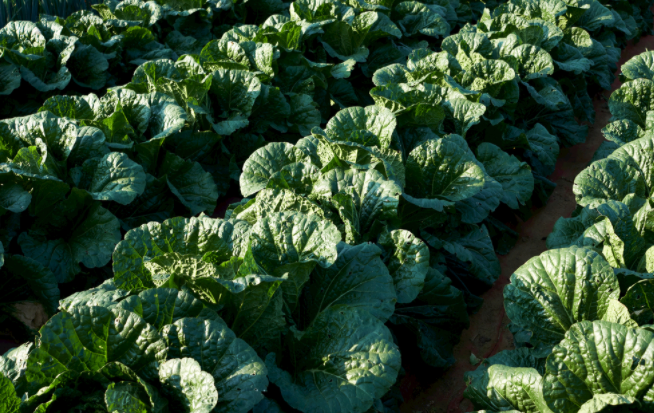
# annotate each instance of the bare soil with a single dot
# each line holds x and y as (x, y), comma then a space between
(488, 333)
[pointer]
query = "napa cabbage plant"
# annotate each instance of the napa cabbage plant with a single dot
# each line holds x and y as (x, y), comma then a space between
(283, 285)
(629, 107)
(351, 174)
(135, 352)
(515, 380)
(79, 53)
(566, 304)
(491, 92)
(587, 298)
(43, 57)
(627, 165)
(620, 231)
(614, 217)
(148, 127)
(62, 174)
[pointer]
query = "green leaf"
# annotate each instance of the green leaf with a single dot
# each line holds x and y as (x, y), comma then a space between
(618, 313)
(414, 17)
(573, 378)
(293, 244)
(595, 17)
(105, 295)
(440, 172)
(622, 131)
(271, 109)
(468, 48)
(53, 81)
(192, 185)
(342, 42)
(476, 209)
(532, 61)
(608, 179)
(607, 403)
(255, 312)
(165, 115)
(544, 147)
(13, 197)
(267, 406)
(90, 235)
(224, 54)
(160, 307)
(59, 135)
(318, 10)
(270, 201)
(239, 374)
(89, 337)
(154, 204)
(195, 236)
(638, 154)
(567, 231)
(362, 198)
(435, 319)
(476, 247)
(551, 292)
(464, 114)
(358, 279)
(362, 151)
(113, 177)
(234, 92)
(304, 114)
(264, 162)
(407, 258)
(324, 356)
(638, 300)
(513, 382)
(185, 382)
(548, 93)
(125, 397)
(628, 174)
(515, 176)
(174, 269)
(514, 388)
(13, 363)
(488, 76)
(419, 105)
(88, 66)
(632, 101)
(23, 36)
(9, 78)
(639, 67)
(351, 121)
(615, 233)
(9, 401)
(569, 58)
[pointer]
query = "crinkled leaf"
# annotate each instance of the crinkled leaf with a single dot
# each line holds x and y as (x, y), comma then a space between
(185, 382)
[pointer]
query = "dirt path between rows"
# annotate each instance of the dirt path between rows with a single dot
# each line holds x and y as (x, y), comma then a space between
(488, 333)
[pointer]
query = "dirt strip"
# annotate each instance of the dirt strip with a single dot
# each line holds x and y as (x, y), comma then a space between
(488, 333)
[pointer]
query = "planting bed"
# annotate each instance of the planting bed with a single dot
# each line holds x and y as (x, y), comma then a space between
(488, 333)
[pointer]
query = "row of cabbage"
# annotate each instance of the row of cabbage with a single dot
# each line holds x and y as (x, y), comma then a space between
(350, 236)
(95, 50)
(582, 312)
(176, 137)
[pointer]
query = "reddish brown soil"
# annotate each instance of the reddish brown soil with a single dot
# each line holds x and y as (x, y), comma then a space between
(488, 333)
